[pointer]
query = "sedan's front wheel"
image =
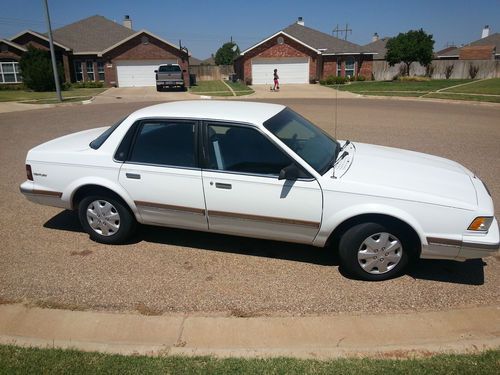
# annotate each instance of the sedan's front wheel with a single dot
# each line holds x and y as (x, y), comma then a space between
(373, 251)
(106, 219)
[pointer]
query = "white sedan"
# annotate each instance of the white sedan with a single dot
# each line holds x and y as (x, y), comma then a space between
(261, 170)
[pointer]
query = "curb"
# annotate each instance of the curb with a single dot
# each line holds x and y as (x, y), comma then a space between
(382, 335)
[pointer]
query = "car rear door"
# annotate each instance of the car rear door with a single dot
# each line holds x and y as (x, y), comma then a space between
(242, 191)
(162, 174)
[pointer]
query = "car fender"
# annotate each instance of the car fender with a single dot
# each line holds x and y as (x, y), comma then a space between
(329, 224)
(72, 188)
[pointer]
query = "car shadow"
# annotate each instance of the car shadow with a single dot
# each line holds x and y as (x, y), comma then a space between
(470, 272)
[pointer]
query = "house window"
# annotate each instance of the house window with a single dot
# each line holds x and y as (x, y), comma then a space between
(100, 70)
(339, 68)
(9, 72)
(90, 71)
(78, 71)
(349, 67)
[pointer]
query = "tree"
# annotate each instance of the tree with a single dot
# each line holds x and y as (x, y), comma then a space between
(227, 53)
(415, 45)
(36, 69)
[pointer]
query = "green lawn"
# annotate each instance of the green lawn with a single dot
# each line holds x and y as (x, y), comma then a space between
(472, 97)
(374, 87)
(203, 87)
(21, 95)
(489, 86)
(218, 88)
(16, 360)
(240, 88)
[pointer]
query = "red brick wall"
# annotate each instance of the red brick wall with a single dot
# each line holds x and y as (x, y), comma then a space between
(135, 49)
(477, 53)
(329, 66)
(271, 48)
(365, 68)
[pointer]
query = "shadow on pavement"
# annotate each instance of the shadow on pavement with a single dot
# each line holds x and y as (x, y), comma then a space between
(470, 272)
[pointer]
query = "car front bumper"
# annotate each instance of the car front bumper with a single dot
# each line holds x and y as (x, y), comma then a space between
(470, 247)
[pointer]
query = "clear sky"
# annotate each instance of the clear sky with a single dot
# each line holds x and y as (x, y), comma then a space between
(204, 25)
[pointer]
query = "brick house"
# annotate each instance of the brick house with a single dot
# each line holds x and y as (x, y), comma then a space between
(302, 55)
(486, 48)
(98, 49)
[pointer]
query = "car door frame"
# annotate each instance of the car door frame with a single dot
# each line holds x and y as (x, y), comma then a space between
(204, 158)
(173, 210)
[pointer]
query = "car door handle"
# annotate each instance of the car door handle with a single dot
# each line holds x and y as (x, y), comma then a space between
(218, 185)
(134, 176)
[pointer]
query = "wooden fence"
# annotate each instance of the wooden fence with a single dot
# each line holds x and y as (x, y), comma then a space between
(211, 72)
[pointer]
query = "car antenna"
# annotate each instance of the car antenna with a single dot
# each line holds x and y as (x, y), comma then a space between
(335, 118)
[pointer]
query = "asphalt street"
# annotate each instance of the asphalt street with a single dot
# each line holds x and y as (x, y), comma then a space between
(47, 260)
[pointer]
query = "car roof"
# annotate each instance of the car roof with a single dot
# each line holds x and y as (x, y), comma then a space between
(223, 110)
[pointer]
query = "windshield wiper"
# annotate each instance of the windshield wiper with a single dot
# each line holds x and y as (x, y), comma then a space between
(347, 143)
(342, 156)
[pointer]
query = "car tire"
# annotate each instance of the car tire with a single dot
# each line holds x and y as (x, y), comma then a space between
(375, 252)
(106, 219)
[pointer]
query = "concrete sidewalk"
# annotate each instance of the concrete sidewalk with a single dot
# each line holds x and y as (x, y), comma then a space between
(299, 91)
(387, 335)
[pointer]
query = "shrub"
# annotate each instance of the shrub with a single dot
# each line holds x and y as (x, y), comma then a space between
(37, 70)
(15, 86)
(360, 78)
(322, 81)
(448, 71)
(87, 85)
(429, 70)
(333, 80)
(414, 79)
(473, 70)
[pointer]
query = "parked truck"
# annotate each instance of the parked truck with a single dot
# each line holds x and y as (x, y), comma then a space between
(169, 75)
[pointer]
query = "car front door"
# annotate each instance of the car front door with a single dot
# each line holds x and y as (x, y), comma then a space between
(243, 193)
(162, 175)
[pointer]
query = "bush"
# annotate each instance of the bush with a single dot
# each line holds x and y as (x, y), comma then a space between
(37, 70)
(87, 85)
(448, 71)
(333, 80)
(429, 70)
(473, 70)
(10, 86)
(360, 78)
(414, 79)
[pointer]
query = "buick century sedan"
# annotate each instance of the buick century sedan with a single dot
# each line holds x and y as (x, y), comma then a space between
(262, 170)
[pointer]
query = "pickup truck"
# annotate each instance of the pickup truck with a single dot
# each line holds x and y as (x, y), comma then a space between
(169, 75)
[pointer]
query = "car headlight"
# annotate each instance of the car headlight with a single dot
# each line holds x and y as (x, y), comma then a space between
(481, 223)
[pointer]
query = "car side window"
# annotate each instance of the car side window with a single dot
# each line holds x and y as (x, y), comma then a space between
(242, 149)
(165, 143)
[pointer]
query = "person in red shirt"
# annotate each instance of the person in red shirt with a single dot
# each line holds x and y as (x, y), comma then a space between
(276, 80)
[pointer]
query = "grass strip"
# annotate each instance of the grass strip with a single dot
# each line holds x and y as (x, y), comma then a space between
(17, 360)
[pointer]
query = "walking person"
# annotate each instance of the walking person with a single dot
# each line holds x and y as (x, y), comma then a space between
(276, 80)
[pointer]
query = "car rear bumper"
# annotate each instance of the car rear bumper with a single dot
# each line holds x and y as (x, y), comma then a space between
(169, 83)
(470, 247)
(45, 197)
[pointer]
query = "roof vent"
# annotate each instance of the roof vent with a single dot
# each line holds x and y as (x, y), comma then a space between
(300, 21)
(375, 37)
(127, 22)
(486, 31)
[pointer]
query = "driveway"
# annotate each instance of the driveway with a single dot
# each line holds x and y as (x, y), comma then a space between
(141, 94)
(47, 260)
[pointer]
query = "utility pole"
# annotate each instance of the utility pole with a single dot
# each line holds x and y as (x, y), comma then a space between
(342, 31)
(52, 53)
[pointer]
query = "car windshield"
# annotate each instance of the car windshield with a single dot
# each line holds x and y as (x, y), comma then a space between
(96, 143)
(312, 144)
(169, 68)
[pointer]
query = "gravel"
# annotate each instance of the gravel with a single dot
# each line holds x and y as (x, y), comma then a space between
(46, 259)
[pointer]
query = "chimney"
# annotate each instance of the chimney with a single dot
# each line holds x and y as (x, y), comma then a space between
(375, 37)
(300, 21)
(127, 22)
(486, 32)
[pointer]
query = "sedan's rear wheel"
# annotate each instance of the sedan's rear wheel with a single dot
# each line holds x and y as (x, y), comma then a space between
(373, 251)
(106, 219)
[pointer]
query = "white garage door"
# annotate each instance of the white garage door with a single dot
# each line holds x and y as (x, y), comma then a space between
(290, 70)
(133, 73)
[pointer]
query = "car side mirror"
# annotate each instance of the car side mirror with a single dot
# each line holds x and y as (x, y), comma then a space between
(290, 172)
(156, 71)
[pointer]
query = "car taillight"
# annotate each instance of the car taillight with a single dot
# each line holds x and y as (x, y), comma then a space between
(28, 172)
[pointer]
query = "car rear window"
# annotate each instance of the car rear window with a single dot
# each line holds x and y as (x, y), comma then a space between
(169, 68)
(96, 143)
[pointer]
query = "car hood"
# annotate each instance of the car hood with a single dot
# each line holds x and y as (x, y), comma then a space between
(408, 175)
(69, 143)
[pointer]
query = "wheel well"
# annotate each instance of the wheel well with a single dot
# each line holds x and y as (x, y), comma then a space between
(87, 190)
(334, 238)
